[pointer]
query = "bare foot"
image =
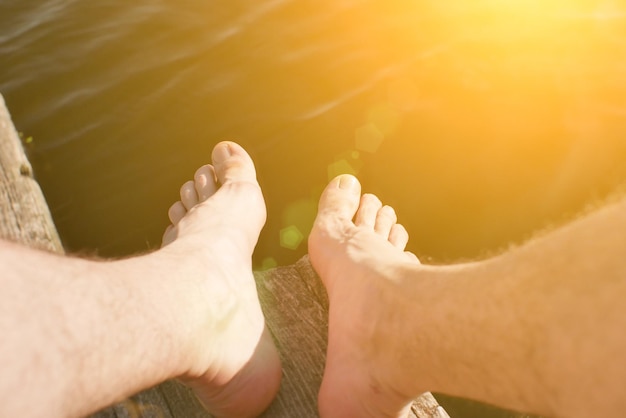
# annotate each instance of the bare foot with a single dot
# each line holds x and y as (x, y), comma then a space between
(234, 367)
(356, 246)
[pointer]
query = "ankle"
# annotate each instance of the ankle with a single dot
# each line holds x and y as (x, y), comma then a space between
(181, 296)
(413, 333)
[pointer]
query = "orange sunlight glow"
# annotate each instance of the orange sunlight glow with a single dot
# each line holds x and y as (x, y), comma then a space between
(501, 103)
(522, 64)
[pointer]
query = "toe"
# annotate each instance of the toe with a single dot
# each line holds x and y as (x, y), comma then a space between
(169, 235)
(340, 199)
(385, 220)
(368, 209)
(232, 163)
(176, 212)
(188, 195)
(205, 182)
(398, 236)
(412, 257)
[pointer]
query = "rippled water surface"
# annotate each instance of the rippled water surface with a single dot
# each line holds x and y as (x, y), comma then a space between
(480, 122)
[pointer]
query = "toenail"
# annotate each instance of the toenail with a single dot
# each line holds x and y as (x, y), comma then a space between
(221, 152)
(348, 182)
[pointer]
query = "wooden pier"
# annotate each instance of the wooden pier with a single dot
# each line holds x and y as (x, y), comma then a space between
(293, 299)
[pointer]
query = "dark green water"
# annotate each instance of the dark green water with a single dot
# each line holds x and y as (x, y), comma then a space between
(479, 123)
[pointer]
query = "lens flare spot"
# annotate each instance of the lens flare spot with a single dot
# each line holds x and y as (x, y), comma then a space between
(301, 214)
(340, 167)
(368, 138)
(291, 237)
(385, 118)
(268, 263)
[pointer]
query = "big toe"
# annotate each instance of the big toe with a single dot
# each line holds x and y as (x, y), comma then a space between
(232, 163)
(337, 207)
(340, 199)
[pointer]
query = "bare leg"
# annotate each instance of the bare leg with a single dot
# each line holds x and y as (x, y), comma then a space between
(539, 328)
(78, 335)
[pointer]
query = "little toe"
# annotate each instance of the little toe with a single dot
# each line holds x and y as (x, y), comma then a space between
(176, 212)
(232, 163)
(412, 257)
(385, 219)
(188, 195)
(398, 236)
(368, 210)
(205, 182)
(169, 235)
(340, 199)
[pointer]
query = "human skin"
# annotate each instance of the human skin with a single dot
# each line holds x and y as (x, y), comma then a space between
(539, 328)
(78, 335)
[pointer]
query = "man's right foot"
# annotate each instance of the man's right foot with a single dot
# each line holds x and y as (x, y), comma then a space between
(357, 247)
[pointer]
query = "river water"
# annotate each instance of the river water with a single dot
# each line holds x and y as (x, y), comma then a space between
(479, 122)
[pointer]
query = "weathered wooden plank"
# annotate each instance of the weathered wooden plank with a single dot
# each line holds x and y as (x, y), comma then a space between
(24, 213)
(293, 299)
(426, 406)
